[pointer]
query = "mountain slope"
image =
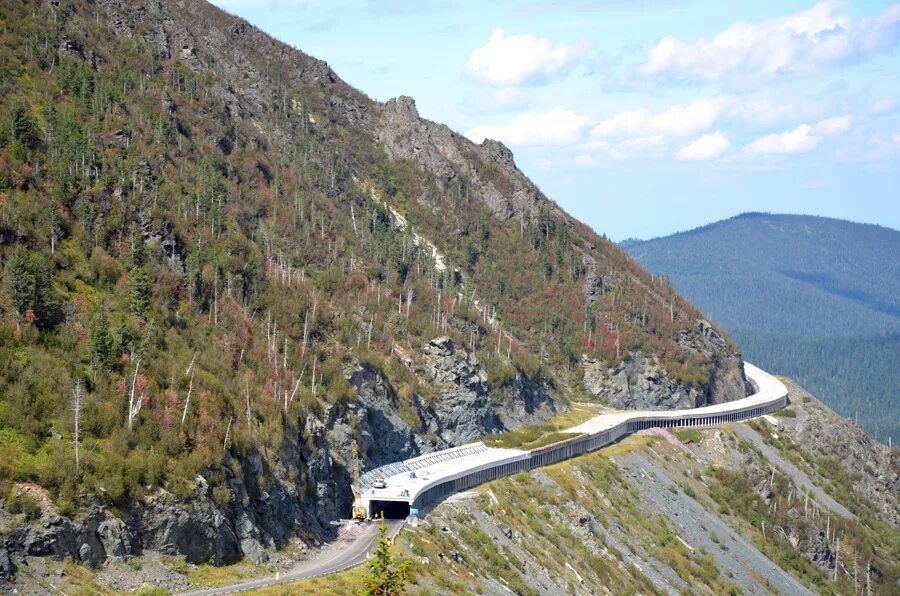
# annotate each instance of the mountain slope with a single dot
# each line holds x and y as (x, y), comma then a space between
(751, 508)
(804, 502)
(815, 298)
(223, 266)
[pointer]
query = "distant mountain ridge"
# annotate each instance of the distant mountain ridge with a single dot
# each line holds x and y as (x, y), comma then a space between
(799, 293)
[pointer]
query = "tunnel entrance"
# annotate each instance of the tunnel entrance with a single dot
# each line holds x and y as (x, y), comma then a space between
(391, 509)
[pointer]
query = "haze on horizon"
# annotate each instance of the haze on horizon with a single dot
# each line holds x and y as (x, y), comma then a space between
(641, 118)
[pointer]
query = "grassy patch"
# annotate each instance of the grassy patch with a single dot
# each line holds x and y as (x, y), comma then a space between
(210, 576)
(338, 584)
(629, 443)
(786, 413)
(539, 435)
(689, 435)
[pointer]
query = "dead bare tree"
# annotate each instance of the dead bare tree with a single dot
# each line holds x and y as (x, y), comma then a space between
(305, 333)
(247, 398)
(227, 430)
(134, 405)
(288, 400)
(76, 406)
(187, 400)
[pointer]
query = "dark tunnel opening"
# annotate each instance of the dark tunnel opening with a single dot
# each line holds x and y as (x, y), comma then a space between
(391, 509)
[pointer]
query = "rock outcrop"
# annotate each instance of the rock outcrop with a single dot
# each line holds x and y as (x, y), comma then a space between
(639, 382)
(506, 192)
(464, 409)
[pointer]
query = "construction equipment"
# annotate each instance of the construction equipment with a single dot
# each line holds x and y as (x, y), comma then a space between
(359, 511)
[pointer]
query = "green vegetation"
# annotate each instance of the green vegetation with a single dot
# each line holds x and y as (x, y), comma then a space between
(209, 576)
(808, 297)
(340, 584)
(156, 247)
(386, 577)
(533, 436)
(689, 435)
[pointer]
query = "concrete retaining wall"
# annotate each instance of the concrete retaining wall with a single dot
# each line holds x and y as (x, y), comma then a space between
(569, 448)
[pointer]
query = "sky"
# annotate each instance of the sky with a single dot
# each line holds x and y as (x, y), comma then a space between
(640, 117)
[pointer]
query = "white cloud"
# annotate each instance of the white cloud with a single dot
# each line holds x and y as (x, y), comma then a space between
(679, 121)
(800, 139)
(559, 126)
(521, 59)
(885, 106)
(802, 43)
(707, 147)
(650, 147)
(833, 126)
(505, 98)
(586, 159)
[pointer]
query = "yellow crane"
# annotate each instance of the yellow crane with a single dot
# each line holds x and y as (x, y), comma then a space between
(359, 512)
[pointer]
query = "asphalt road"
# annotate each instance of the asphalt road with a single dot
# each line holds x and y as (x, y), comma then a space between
(337, 556)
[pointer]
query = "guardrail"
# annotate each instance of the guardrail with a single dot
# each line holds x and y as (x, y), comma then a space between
(765, 401)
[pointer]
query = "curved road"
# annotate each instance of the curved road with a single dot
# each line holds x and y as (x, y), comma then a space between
(337, 556)
(347, 552)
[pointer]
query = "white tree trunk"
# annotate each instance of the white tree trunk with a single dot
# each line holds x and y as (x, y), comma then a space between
(76, 406)
(134, 404)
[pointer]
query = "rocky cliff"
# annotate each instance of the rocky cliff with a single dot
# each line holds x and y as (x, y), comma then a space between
(639, 382)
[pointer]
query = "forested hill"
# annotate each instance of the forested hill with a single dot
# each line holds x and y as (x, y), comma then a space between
(222, 266)
(810, 297)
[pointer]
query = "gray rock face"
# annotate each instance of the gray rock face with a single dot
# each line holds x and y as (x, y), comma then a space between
(639, 382)
(819, 552)
(506, 192)
(596, 284)
(7, 567)
(464, 409)
(726, 373)
(461, 409)
(116, 538)
(57, 536)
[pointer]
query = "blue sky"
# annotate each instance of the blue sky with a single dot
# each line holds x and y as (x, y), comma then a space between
(641, 117)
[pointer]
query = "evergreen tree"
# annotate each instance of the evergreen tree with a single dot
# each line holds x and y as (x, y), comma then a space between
(21, 281)
(23, 130)
(45, 304)
(386, 577)
(137, 256)
(139, 281)
(100, 342)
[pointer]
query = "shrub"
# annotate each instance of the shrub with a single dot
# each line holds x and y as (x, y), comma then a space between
(221, 495)
(180, 566)
(786, 413)
(499, 371)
